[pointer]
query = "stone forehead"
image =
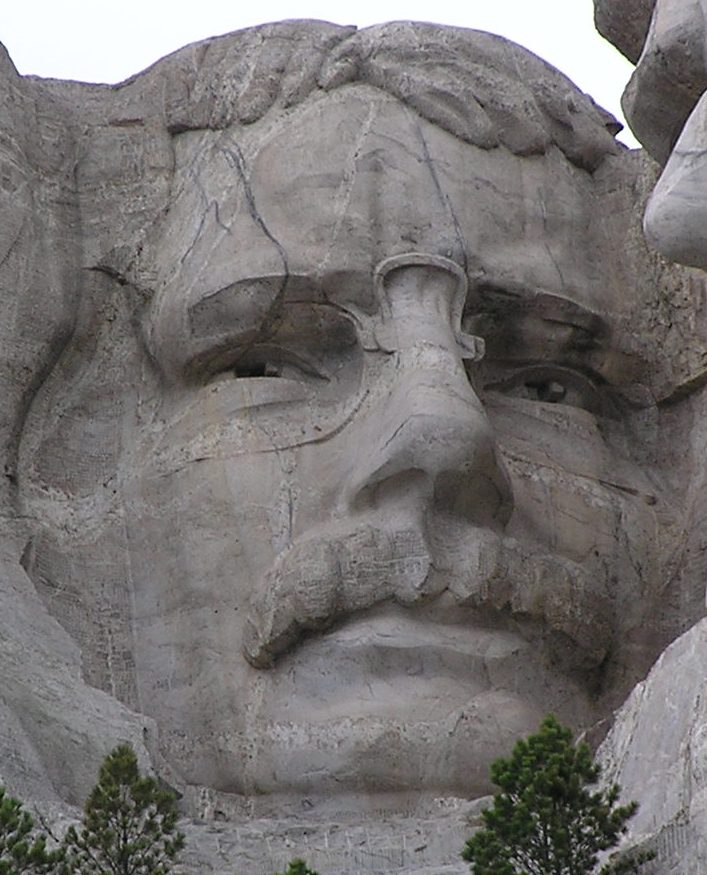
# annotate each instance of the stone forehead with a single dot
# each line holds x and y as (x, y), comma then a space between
(480, 87)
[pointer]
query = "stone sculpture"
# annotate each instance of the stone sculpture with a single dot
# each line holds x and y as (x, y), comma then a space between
(345, 431)
(666, 107)
(657, 747)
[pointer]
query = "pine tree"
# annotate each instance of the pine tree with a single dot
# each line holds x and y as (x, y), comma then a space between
(22, 848)
(298, 867)
(544, 820)
(129, 825)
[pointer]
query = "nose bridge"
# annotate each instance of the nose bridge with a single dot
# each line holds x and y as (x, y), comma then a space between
(427, 420)
(420, 303)
(421, 298)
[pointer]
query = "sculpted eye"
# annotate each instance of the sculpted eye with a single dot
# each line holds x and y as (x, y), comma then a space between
(308, 344)
(260, 369)
(550, 391)
(270, 361)
(549, 384)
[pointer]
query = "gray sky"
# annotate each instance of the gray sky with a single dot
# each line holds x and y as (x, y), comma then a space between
(109, 40)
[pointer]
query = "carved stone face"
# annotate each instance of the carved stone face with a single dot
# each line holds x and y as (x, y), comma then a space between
(384, 506)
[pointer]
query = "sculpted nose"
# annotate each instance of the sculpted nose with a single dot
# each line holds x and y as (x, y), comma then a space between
(425, 428)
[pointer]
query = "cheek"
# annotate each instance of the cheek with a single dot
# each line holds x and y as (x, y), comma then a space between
(581, 518)
(556, 437)
(222, 521)
(215, 522)
(574, 495)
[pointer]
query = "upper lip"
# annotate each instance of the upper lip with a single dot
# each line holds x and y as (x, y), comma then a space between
(329, 578)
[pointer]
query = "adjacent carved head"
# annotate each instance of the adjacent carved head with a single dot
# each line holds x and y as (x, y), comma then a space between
(666, 106)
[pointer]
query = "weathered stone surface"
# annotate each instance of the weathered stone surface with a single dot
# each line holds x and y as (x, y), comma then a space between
(54, 728)
(666, 40)
(350, 428)
(673, 74)
(670, 74)
(421, 842)
(657, 751)
(676, 218)
(625, 24)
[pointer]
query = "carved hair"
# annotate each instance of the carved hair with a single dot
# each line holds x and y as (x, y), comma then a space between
(480, 87)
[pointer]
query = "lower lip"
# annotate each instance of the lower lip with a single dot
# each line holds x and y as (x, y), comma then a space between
(391, 661)
(393, 703)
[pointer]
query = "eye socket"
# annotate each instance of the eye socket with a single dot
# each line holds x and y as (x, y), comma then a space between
(257, 369)
(307, 343)
(549, 391)
(269, 361)
(550, 384)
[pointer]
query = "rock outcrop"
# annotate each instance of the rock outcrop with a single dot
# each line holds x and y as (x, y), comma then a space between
(657, 751)
(657, 746)
(624, 24)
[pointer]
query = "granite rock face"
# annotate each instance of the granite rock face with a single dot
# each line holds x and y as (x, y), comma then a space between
(624, 24)
(657, 751)
(54, 727)
(669, 78)
(656, 748)
(348, 428)
(665, 106)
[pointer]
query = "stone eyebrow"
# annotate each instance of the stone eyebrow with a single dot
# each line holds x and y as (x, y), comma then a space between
(516, 298)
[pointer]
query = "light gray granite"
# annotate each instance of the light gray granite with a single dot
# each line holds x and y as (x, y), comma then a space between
(673, 74)
(657, 746)
(657, 751)
(348, 427)
(624, 23)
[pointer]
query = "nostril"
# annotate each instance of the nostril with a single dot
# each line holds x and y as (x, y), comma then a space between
(481, 495)
(410, 487)
(443, 458)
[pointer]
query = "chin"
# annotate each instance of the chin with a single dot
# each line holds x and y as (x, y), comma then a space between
(392, 709)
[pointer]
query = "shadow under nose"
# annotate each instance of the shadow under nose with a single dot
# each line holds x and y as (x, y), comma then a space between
(430, 441)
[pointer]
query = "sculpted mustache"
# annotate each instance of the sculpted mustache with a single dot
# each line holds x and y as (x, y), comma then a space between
(329, 576)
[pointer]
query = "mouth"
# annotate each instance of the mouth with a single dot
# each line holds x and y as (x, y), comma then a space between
(328, 575)
(392, 655)
(486, 581)
(400, 700)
